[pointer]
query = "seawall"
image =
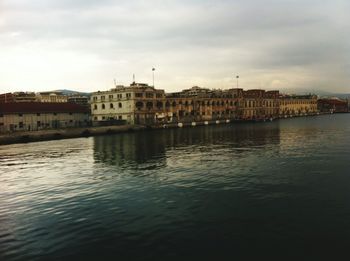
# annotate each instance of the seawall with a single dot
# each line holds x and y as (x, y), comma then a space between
(45, 135)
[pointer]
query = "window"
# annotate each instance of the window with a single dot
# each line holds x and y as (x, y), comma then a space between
(128, 95)
(103, 117)
(94, 98)
(138, 95)
(103, 106)
(119, 96)
(120, 117)
(38, 123)
(95, 118)
(70, 113)
(149, 95)
(110, 96)
(20, 124)
(95, 107)
(119, 104)
(159, 95)
(55, 113)
(111, 106)
(20, 115)
(102, 98)
(38, 114)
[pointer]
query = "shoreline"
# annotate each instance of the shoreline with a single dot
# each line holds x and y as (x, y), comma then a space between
(69, 133)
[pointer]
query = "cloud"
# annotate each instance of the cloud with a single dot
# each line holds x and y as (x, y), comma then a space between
(296, 44)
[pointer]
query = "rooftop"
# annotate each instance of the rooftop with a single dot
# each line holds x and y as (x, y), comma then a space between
(40, 107)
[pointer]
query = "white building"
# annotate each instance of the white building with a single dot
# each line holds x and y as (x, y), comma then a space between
(52, 97)
(135, 104)
(30, 116)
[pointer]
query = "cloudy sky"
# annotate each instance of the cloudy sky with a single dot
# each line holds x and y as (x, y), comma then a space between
(84, 44)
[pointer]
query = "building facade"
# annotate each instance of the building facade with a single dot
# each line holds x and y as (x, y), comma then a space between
(18, 97)
(297, 105)
(135, 104)
(333, 105)
(78, 99)
(32, 116)
(203, 105)
(56, 97)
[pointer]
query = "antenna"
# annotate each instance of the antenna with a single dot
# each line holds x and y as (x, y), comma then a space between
(133, 78)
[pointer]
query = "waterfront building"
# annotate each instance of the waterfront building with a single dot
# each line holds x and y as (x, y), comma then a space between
(30, 116)
(271, 104)
(253, 104)
(333, 105)
(297, 105)
(260, 104)
(201, 104)
(138, 103)
(56, 97)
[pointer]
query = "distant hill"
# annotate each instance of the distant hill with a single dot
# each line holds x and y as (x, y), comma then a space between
(70, 92)
(317, 92)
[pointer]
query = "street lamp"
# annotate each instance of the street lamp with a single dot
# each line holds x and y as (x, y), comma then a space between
(153, 69)
(237, 77)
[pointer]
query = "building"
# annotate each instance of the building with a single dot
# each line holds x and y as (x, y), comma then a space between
(56, 97)
(18, 97)
(271, 104)
(333, 105)
(297, 105)
(30, 116)
(79, 99)
(253, 104)
(201, 104)
(138, 103)
(7, 97)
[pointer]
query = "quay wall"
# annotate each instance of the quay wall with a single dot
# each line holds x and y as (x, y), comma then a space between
(45, 135)
(56, 134)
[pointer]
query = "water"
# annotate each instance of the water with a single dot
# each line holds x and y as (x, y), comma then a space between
(279, 190)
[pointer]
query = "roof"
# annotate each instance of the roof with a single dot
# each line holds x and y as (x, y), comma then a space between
(41, 107)
(333, 101)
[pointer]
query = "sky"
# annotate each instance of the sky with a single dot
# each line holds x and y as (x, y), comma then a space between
(84, 45)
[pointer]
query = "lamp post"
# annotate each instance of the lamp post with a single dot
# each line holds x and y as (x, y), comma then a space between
(237, 77)
(153, 69)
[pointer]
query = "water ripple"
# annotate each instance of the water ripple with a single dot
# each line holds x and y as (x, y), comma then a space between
(173, 193)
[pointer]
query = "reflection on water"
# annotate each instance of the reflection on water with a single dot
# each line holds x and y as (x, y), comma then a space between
(144, 147)
(278, 190)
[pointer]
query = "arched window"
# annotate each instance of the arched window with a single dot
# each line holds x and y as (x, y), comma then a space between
(139, 105)
(159, 105)
(149, 105)
(167, 104)
(120, 105)
(103, 106)
(111, 106)
(95, 107)
(174, 104)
